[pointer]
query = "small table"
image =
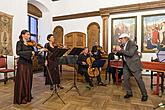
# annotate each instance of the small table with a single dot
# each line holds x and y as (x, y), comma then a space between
(117, 64)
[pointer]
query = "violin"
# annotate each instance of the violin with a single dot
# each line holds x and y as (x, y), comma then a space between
(33, 43)
(38, 46)
(58, 45)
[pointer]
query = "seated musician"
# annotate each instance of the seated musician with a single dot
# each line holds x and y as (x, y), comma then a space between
(112, 56)
(97, 51)
(83, 68)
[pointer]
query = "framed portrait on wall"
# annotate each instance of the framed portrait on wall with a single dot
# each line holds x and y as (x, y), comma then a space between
(153, 33)
(123, 25)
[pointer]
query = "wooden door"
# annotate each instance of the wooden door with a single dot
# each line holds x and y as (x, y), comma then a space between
(75, 39)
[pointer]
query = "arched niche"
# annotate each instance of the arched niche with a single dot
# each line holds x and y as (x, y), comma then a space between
(33, 10)
(93, 34)
(40, 5)
(75, 39)
(58, 33)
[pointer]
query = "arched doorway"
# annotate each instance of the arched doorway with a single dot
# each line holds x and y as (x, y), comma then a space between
(93, 32)
(58, 33)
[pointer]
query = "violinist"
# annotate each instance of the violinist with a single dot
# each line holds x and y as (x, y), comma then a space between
(97, 51)
(52, 64)
(24, 76)
(83, 68)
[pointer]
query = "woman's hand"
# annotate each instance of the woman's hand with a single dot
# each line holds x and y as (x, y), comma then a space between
(44, 49)
(46, 63)
(84, 63)
(33, 53)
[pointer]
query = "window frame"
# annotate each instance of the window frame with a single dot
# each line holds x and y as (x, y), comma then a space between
(29, 26)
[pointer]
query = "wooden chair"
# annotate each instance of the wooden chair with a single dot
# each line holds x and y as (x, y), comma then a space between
(4, 69)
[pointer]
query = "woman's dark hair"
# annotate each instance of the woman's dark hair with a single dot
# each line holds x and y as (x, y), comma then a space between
(22, 33)
(48, 37)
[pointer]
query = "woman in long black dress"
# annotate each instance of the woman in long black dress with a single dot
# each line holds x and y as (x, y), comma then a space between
(52, 64)
(24, 76)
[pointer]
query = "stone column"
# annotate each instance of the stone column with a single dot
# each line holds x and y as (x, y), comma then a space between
(105, 17)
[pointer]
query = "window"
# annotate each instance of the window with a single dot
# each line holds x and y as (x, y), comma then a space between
(33, 27)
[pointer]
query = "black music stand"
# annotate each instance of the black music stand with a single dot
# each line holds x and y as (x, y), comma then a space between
(56, 53)
(75, 52)
(98, 63)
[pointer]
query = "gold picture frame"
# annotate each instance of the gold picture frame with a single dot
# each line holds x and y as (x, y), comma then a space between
(153, 33)
(123, 25)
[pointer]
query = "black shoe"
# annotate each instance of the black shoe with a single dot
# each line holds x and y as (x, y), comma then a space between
(114, 82)
(60, 87)
(144, 98)
(128, 96)
(88, 87)
(101, 84)
(51, 87)
(91, 84)
(120, 81)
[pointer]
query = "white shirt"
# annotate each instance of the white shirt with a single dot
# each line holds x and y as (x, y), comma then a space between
(125, 49)
(125, 45)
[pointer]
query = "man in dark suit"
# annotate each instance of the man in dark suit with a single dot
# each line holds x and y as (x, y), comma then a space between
(112, 56)
(83, 68)
(132, 64)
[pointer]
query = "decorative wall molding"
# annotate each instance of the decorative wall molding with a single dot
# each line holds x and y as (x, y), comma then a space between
(135, 7)
(104, 13)
(116, 9)
(75, 16)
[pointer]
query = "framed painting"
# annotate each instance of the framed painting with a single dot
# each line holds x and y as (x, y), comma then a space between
(123, 25)
(153, 33)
